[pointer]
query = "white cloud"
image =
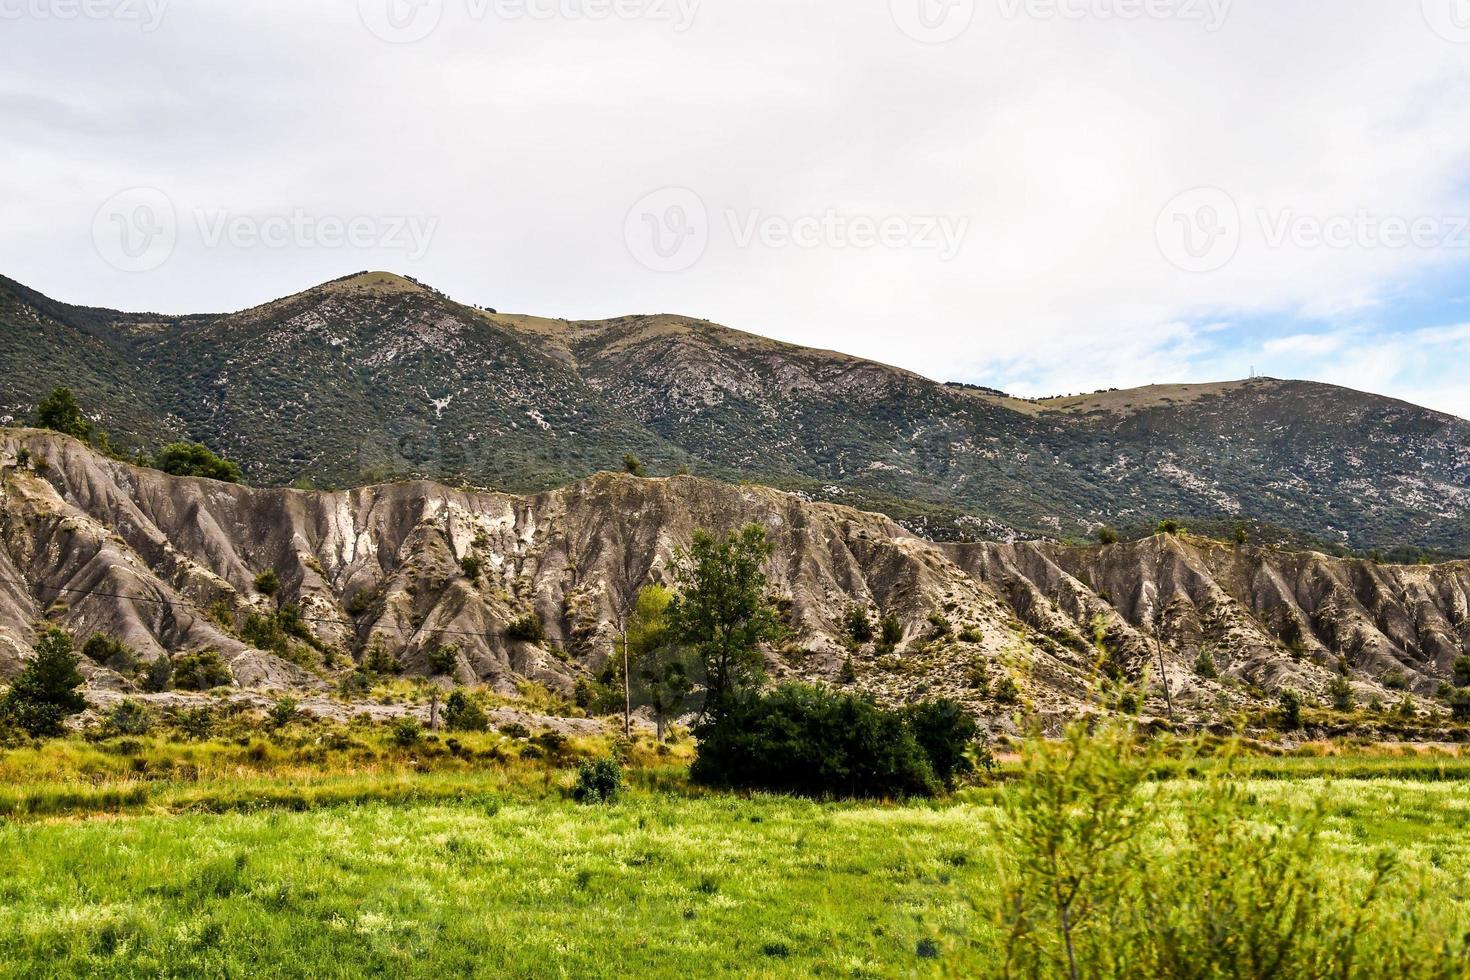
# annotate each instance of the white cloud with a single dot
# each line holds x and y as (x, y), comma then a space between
(1305, 344)
(1424, 366)
(529, 140)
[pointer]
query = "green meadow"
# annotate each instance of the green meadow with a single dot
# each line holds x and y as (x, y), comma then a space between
(254, 862)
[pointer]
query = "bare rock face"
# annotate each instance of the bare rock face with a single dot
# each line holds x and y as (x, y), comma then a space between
(168, 565)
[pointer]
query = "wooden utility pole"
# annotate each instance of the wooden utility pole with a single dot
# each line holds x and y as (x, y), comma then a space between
(627, 688)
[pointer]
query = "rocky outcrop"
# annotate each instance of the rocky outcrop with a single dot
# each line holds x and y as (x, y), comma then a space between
(169, 565)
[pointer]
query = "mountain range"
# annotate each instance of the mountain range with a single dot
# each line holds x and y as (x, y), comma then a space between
(172, 566)
(375, 378)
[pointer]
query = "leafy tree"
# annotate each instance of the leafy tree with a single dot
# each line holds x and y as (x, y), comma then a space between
(1170, 527)
(196, 459)
(472, 565)
(1342, 695)
(1242, 534)
(1107, 535)
(46, 692)
(202, 671)
(722, 613)
(858, 626)
(60, 412)
(662, 671)
(463, 714)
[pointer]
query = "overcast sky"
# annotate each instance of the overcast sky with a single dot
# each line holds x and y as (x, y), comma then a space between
(1045, 196)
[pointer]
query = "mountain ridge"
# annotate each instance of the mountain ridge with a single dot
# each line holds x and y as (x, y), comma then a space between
(374, 377)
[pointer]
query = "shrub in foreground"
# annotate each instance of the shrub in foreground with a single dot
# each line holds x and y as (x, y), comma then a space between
(808, 741)
(598, 782)
(1102, 877)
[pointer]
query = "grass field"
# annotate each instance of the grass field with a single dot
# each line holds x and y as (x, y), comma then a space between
(489, 870)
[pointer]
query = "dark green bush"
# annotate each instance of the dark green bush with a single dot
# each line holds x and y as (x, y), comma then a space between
(110, 653)
(945, 731)
(407, 732)
(808, 741)
(444, 659)
(891, 631)
(265, 633)
(1460, 705)
(1462, 672)
(159, 675)
(1291, 711)
(196, 723)
(858, 626)
(202, 671)
(282, 713)
(1205, 667)
(598, 782)
(268, 583)
(463, 714)
(939, 624)
(194, 459)
(129, 717)
(527, 629)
